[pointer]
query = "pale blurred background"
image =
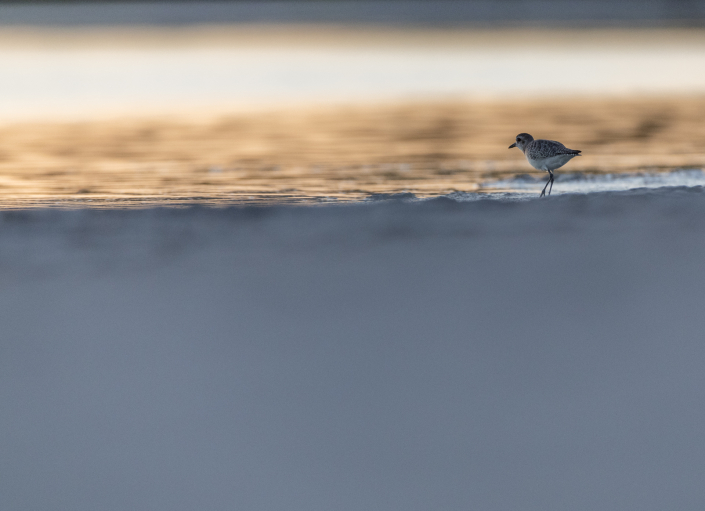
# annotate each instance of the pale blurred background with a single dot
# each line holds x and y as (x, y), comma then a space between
(123, 104)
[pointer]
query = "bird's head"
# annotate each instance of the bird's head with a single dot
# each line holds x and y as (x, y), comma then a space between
(522, 141)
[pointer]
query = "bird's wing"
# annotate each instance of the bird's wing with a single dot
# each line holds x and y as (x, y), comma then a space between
(547, 148)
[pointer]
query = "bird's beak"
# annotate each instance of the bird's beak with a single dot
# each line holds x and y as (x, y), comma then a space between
(513, 145)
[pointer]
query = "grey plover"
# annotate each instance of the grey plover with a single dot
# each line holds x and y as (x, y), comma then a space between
(546, 155)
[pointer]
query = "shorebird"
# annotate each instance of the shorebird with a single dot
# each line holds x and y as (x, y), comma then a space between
(546, 155)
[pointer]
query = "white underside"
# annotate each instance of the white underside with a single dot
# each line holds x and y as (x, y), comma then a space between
(552, 162)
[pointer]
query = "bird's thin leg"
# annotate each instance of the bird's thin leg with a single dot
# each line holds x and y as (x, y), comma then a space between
(551, 181)
(543, 192)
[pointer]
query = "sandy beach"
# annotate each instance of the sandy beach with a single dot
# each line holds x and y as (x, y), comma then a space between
(274, 266)
(541, 354)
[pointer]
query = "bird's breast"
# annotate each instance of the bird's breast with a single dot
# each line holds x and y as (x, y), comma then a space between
(550, 162)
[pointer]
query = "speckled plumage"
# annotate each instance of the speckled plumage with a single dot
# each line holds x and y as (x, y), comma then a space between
(546, 155)
(539, 149)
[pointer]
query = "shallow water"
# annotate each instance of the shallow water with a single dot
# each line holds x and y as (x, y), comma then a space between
(343, 153)
(222, 115)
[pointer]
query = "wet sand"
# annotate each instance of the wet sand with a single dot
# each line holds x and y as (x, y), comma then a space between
(343, 152)
(538, 355)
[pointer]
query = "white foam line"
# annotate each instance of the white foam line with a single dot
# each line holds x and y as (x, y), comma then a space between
(587, 183)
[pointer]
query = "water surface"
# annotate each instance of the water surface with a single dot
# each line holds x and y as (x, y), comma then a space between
(267, 114)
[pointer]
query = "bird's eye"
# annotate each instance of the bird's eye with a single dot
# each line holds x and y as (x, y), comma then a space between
(518, 139)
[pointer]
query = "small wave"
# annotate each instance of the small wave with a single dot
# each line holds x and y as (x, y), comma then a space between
(588, 183)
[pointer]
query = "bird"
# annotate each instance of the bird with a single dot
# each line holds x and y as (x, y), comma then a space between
(546, 155)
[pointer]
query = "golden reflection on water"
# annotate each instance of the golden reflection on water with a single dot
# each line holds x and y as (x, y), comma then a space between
(341, 153)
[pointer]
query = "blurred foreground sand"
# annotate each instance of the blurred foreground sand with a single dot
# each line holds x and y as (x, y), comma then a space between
(540, 355)
(342, 152)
